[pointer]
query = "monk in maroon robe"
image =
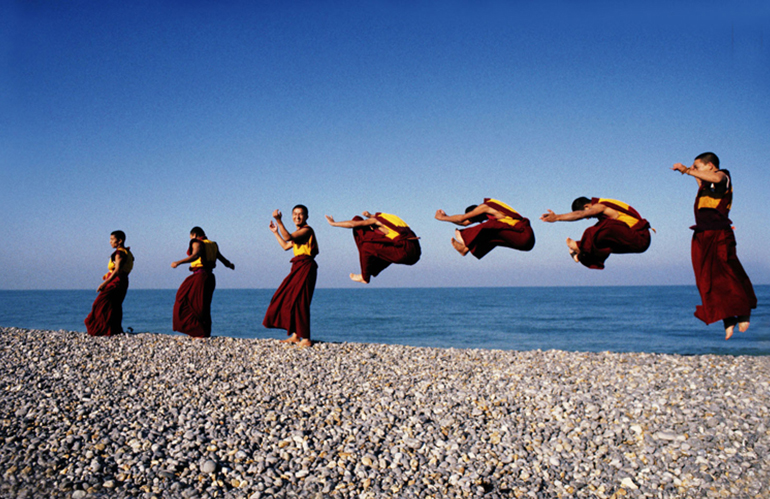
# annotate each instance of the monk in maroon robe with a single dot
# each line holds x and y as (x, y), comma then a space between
(106, 315)
(192, 306)
(289, 308)
(620, 229)
(725, 289)
(497, 225)
(382, 239)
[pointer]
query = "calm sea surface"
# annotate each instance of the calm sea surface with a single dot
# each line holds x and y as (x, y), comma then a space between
(657, 319)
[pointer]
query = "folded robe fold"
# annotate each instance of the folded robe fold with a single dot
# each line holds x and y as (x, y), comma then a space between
(290, 306)
(106, 315)
(376, 251)
(611, 236)
(192, 307)
(482, 238)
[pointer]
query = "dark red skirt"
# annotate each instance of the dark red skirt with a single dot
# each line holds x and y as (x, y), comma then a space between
(610, 236)
(486, 236)
(376, 251)
(192, 307)
(725, 289)
(106, 315)
(290, 306)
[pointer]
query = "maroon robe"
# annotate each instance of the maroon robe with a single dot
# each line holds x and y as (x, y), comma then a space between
(290, 306)
(376, 251)
(724, 287)
(486, 236)
(613, 236)
(106, 315)
(192, 307)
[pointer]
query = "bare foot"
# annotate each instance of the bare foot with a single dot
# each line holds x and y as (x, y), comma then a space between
(305, 343)
(729, 327)
(459, 237)
(743, 323)
(292, 339)
(574, 250)
(358, 278)
(460, 247)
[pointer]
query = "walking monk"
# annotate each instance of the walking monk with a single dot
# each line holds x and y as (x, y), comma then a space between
(382, 239)
(498, 225)
(620, 229)
(290, 306)
(725, 289)
(106, 315)
(192, 307)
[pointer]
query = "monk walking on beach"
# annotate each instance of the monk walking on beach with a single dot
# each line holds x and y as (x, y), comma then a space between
(497, 225)
(290, 306)
(620, 229)
(106, 315)
(725, 289)
(192, 307)
(381, 239)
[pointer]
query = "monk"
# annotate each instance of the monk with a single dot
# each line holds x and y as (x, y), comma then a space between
(106, 317)
(725, 289)
(620, 229)
(498, 225)
(290, 306)
(381, 239)
(192, 307)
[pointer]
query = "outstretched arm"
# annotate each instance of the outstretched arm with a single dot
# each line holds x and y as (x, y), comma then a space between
(464, 219)
(195, 254)
(712, 177)
(279, 221)
(350, 224)
(225, 261)
(589, 212)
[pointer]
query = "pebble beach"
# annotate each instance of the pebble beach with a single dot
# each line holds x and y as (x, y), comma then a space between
(150, 415)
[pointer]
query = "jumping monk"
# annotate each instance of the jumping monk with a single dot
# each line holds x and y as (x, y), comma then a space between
(290, 306)
(192, 307)
(620, 229)
(381, 239)
(498, 225)
(725, 289)
(106, 315)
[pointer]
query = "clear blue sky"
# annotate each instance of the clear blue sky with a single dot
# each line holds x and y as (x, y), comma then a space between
(153, 117)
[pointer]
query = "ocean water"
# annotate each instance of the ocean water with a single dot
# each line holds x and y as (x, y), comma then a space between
(654, 319)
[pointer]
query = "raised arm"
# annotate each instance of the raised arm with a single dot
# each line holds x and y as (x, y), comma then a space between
(286, 245)
(464, 219)
(197, 247)
(709, 176)
(282, 228)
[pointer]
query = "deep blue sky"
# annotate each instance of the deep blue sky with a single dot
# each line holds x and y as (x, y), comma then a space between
(153, 117)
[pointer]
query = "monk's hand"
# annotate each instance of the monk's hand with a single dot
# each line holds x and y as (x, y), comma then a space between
(440, 214)
(174, 265)
(367, 214)
(679, 167)
(273, 227)
(549, 217)
(277, 214)
(329, 219)
(100, 288)
(231, 266)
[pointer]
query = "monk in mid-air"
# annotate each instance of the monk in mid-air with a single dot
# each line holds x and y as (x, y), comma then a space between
(290, 306)
(192, 307)
(497, 225)
(381, 239)
(106, 315)
(725, 289)
(620, 229)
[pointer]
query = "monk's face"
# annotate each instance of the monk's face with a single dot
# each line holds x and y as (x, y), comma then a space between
(114, 241)
(299, 217)
(699, 165)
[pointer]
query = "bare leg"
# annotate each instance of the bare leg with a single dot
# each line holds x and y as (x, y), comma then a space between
(743, 323)
(358, 278)
(292, 339)
(574, 250)
(305, 342)
(729, 324)
(459, 237)
(460, 247)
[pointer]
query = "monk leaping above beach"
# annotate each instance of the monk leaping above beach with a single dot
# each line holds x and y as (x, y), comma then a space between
(497, 224)
(620, 229)
(381, 239)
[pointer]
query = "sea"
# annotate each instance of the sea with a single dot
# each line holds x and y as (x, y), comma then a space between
(652, 319)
